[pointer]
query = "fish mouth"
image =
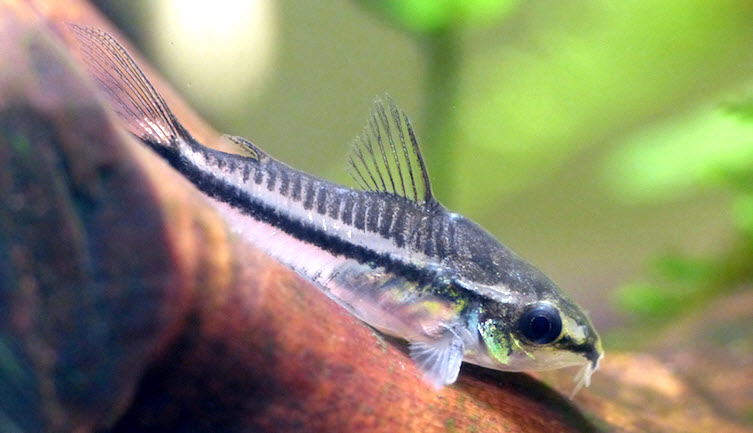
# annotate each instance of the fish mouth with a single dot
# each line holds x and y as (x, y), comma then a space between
(583, 377)
(594, 357)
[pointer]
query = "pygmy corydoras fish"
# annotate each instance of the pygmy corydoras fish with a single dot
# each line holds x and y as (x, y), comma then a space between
(388, 252)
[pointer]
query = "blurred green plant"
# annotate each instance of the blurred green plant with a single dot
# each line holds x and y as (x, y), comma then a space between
(430, 16)
(711, 150)
(526, 93)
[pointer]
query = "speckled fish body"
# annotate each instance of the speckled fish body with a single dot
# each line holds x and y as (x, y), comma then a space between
(389, 252)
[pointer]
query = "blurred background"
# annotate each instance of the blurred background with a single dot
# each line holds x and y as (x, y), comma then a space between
(609, 143)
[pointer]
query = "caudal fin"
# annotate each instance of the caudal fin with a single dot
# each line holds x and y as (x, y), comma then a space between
(131, 95)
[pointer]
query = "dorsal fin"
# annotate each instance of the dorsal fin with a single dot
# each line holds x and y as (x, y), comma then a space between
(385, 157)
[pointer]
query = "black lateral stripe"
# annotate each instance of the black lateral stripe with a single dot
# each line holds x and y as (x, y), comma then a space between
(450, 235)
(359, 214)
(284, 183)
(219, 162)
(398, 229)
(386, 223)
(334, 206)
(308, 201)
(271, 178)
(258, 175)
(372, 216)
(321, 200)
(247, 204)
(428, 229)
(296, 194)
(414, 236)
(439, 239)
(348, 204)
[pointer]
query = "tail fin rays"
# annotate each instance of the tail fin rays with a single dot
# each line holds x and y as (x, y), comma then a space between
(129, 92)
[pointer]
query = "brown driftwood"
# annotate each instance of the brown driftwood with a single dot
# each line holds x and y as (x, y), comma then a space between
(126, 304)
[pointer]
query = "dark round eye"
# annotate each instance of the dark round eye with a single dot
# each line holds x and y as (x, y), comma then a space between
(541, 324)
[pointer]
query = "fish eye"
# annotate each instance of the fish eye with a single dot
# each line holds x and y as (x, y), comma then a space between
(541, 324)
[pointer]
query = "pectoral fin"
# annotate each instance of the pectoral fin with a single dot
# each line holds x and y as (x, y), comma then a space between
(439, 360)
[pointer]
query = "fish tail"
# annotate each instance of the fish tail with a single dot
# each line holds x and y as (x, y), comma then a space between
(130, 94)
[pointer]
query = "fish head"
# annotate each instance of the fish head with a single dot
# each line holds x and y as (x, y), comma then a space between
(545, 334)
(535, 332)
(541, 335)
(524, 320)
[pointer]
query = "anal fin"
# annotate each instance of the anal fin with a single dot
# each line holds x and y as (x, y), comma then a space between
(439, 360)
